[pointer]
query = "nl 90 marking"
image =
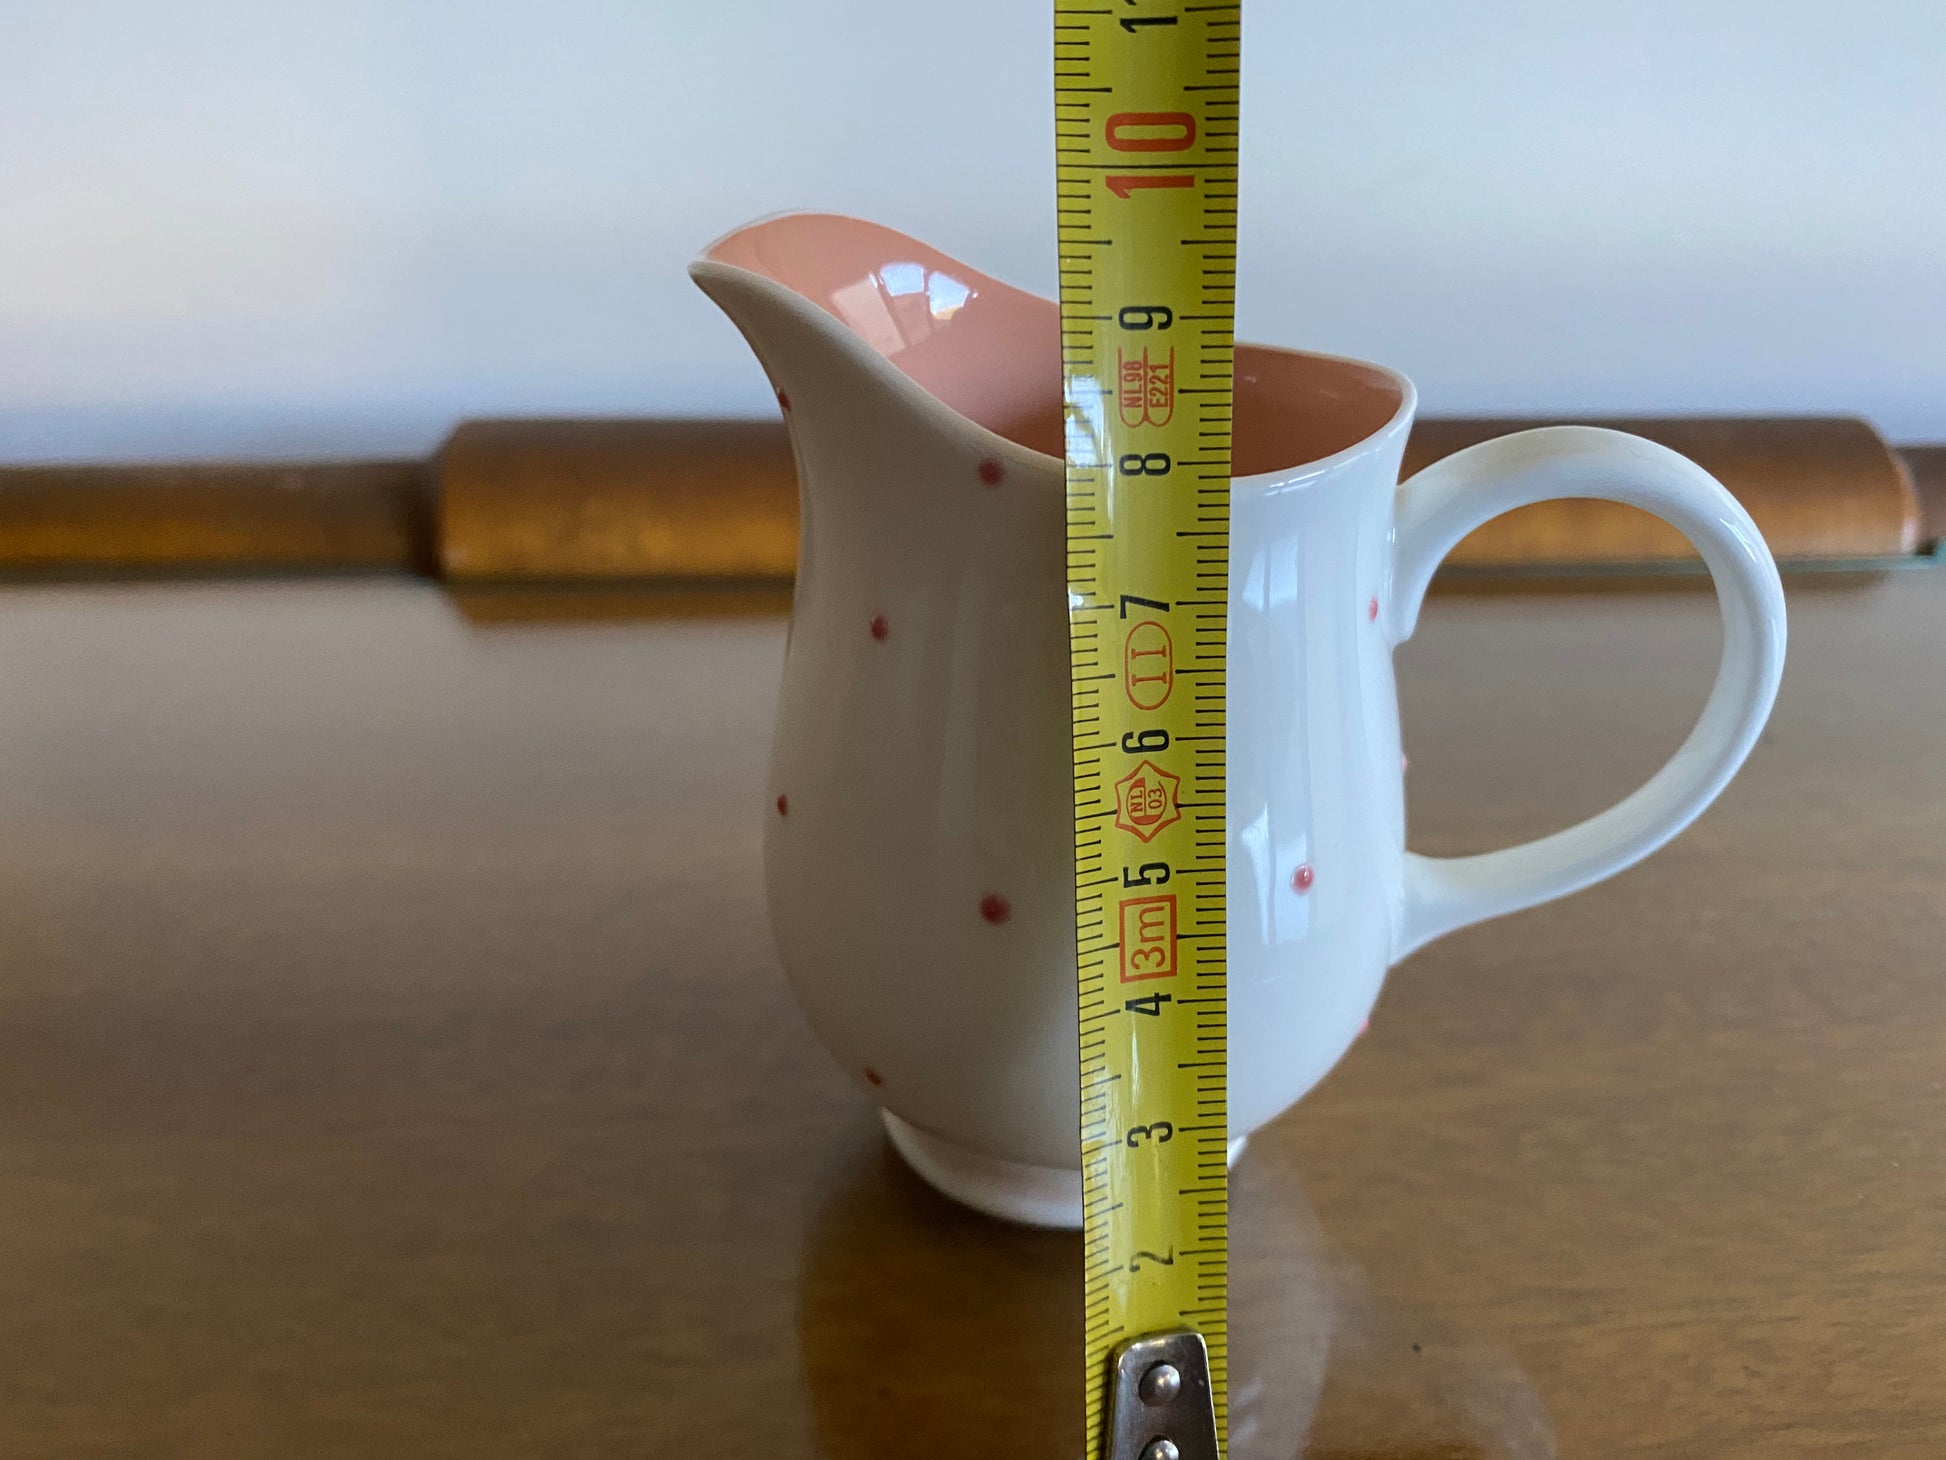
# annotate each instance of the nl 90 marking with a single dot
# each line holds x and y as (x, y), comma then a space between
(1146, 127)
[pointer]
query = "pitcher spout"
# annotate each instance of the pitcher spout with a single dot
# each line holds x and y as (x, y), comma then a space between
(848, 317)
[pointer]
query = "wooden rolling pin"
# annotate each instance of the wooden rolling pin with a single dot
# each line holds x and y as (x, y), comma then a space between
(635, 500)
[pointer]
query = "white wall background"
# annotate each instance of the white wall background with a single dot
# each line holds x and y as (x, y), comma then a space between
(234, 227)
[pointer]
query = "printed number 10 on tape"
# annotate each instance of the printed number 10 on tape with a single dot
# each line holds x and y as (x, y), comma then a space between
(1146, 137)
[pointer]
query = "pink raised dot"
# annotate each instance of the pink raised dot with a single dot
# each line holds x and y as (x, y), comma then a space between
(783, 401)
(880, 628)
(1302, 878)
(1366, 1027)
(995, 908)
(1405, 762)
(990, 471)
(783, 806)
(1371, 610)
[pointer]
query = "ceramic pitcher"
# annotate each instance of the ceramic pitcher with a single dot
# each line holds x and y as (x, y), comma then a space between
(918, 845)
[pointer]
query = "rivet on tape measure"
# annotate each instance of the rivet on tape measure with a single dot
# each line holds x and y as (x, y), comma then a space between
(1146, 144)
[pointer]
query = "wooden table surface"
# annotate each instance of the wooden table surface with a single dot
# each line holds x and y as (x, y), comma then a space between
(393, 1062)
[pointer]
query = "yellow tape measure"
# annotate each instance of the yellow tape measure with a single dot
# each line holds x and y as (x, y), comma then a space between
(1146, 143)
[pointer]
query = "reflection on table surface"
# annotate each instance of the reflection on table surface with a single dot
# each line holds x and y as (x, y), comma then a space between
(393, 1062)
(927, 1329)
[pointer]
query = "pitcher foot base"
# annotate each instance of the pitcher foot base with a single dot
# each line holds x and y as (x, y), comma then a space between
(1033, 1196)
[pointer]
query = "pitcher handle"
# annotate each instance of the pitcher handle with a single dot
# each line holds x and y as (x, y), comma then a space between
(1445, 502)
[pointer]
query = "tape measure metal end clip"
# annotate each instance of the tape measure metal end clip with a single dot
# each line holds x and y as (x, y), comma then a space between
(1160, 1406)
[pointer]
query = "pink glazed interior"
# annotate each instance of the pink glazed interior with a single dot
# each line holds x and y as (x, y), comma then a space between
(992, 352)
